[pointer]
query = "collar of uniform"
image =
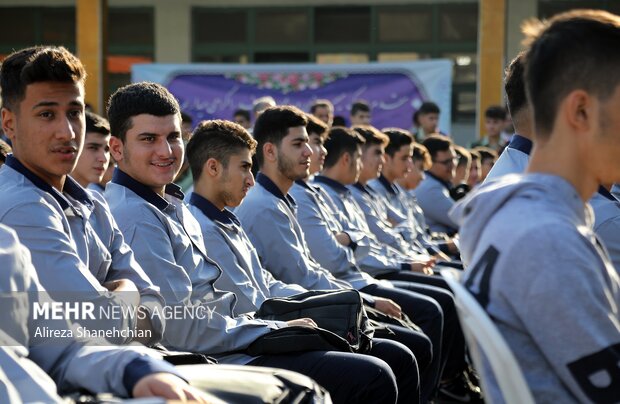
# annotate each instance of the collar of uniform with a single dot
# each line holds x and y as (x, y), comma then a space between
(303, 184)
(273, 189)
(605, 193)
(447, 185)
(521, 143)
(335, 185)
(211, 211)
(145, 192)
(387, 184)
(71, 187)
(362, 187)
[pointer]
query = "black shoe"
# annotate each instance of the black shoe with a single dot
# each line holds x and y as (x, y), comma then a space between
(459, 390)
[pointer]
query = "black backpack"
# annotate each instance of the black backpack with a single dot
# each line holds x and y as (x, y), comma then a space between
(340, 316)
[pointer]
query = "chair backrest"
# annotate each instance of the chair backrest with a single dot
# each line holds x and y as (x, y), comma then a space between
(486, 343)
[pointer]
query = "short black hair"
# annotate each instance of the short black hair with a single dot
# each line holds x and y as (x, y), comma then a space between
(436, 144)
(242, 112)
(97, 124)
(495, 112)
(359, 106)
(136, 99)
(321, 103)
(273, 124)
(514, 85)
(316, 126)
(371, 135)
(398, 138)
(574, 50)
(341, 140)
(339, 121)
(186, 118)
(486, 153)
(463, 155)
(34, 65)
(420, 153)
(216, 139)
(427, 107)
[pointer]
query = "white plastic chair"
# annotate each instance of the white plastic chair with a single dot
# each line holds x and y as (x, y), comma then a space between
(483, 337)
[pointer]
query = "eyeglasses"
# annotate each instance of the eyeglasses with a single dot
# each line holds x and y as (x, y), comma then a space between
(448, 162)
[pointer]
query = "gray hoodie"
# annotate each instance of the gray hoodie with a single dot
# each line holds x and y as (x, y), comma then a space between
(536, 267)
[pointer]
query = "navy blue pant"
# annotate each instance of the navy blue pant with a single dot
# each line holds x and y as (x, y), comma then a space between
(355, 378)
(437, 288)
(422, 348)
(427, 314)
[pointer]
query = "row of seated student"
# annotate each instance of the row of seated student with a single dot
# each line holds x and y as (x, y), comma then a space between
(142, 247)
(540, 236)
(331, 209)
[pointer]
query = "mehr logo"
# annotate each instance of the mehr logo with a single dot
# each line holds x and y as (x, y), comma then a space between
(64, 310)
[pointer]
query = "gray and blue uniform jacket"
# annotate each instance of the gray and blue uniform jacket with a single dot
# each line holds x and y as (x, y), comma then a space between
(535, 265)
(269, 219)
(38, 367)
(605, 205)
(230, 247)
(433, 196)
(409, 235)
(167, 242)
(381, 258)
(75, 243)
(513, 159)
(319, 225)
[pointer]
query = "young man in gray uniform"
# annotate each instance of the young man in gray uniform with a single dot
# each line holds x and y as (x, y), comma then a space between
(26, 358)
(284, 157)
(226, 151)
(342, 170)
(167, 241)
(392, 217)
(76, 246)
(95, 157)
(433, 193)
(219, 154)
(544, 279)
(515, 157)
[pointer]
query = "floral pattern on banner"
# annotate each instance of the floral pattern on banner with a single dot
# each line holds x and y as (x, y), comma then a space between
(287, 82)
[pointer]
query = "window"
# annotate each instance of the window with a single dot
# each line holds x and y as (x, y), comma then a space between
(281, 27)
(58, 26)
(342, 24)
(465, 66)
(131, 39)
(219, 26)
(458, 22)
(131, 28)
(405, 26)
(29, 26)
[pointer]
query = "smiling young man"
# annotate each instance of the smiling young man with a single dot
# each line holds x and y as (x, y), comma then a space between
(167, 241)
(58, 222)
(95, 157)
(75, 244)
(536, 265)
